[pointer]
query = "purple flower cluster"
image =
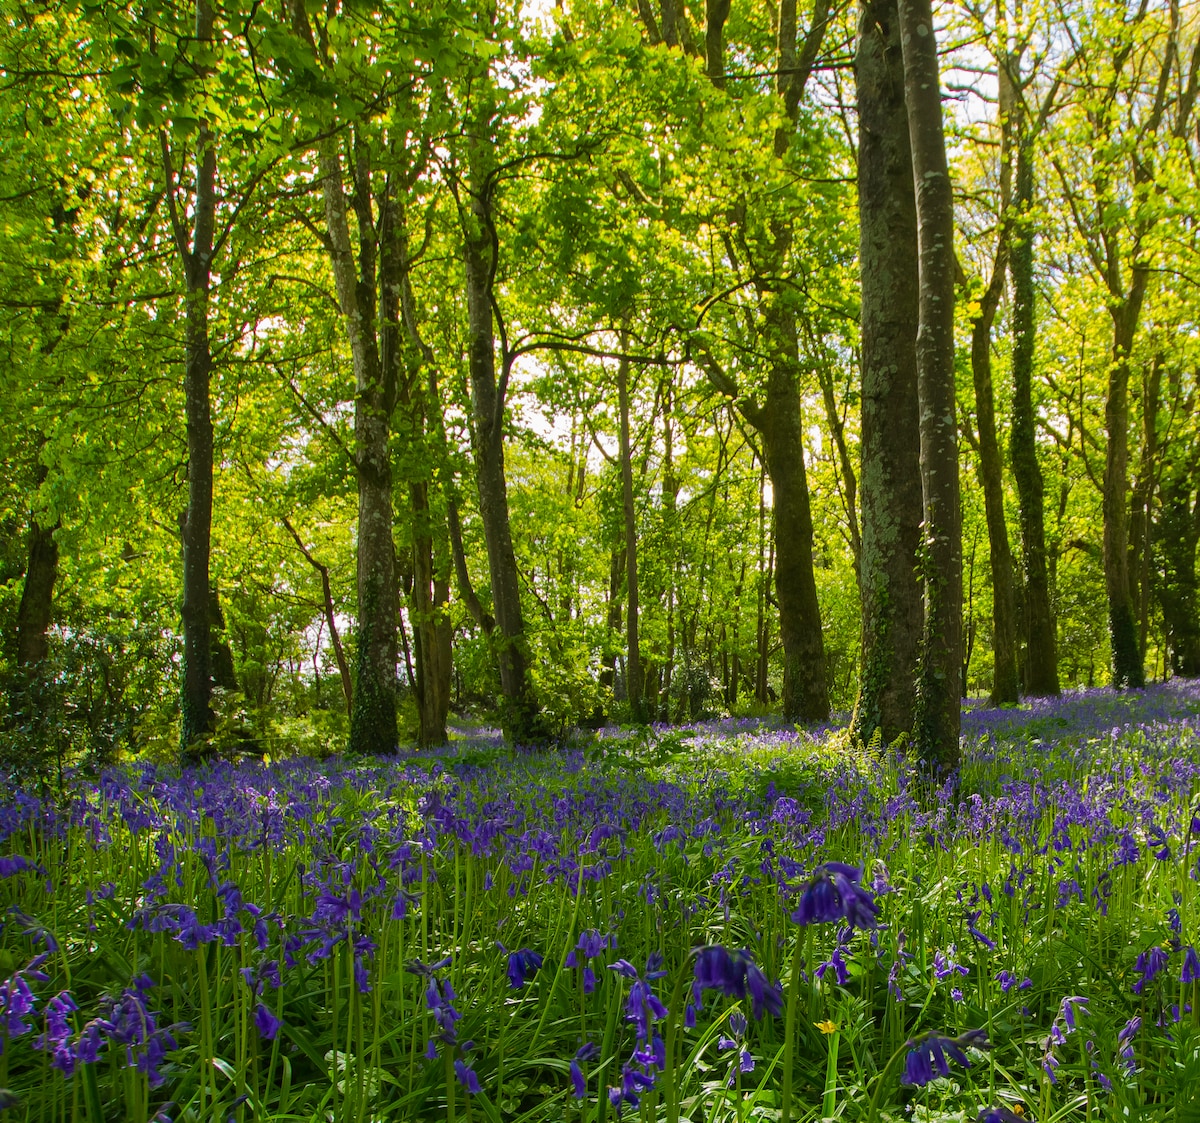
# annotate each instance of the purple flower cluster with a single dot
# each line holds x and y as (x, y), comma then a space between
(735, 975)
(930, 1054)
(642, 1008)
(126, 1021)
(833, 893)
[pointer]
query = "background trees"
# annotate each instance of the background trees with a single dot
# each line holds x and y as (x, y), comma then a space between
(530, 344)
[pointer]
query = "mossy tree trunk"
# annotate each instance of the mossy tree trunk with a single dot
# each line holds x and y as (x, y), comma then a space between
(936, 729)
(889, 475)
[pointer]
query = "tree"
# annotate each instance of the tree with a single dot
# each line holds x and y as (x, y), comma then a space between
(939, 691)
(1041, 640)
(890, 476)
(1123, 96)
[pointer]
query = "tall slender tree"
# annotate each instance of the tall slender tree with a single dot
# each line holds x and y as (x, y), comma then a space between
(890, 477)
(936, 728)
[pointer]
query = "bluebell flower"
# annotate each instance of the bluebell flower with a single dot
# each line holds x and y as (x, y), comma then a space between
(265, 1021)
(1067, 1010)
(930, 1054)
(834, 893)
(589, 1051)
(522, 965)
(972, 919)
(838, 966)
(1150, 963)
(591, 945)
(1191, 966)
(997, 1113)
(467, 1077)
(735, 975)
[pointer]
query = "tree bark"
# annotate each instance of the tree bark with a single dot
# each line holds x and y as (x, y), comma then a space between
(520, 716)
(1005, 675)
(429, 597)
(1177, 532)
(634, 682)
(428, 614)
(1128, 671)
(35, 610)
(781, 423)
(936, 729)
(373, 717)
(889, 476)
(196, 523)
(1041, 655)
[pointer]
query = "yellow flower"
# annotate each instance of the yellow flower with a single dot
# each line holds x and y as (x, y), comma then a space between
(827, 1026)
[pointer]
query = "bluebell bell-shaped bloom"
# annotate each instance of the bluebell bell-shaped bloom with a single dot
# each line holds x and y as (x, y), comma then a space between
(1068, 1007)
(1150, 964)
(833, 893)
(11, 864)
(56, 1040)
(591, 945)
(930, 1054)
(837, 964)
(265, 1021)
(735, 975)
(522, 965)
(467, 1077)
(1008, 980)
(643, 1006)
(972, 920)
(998, 1113)
(589, 1051)
(1191, 966)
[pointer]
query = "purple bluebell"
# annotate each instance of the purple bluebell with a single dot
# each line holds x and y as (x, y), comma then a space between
(265, 1021)
(930, 1054)
(1067, 1010)
(467, 1077)
(589, 1051)
(643, 1006)
(56, 1038)
(1151, 963)
(735, 975)
(592, 944)
(998, 1113)
(1191, 966)
(837, 964)
(834, 892)
(522, 965)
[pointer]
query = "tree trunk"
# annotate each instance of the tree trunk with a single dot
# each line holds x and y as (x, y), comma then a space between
(1178, 592)
(520, 717)
(1127, 668)
(373, 717)
(1141, 536)
(616, 570)
(936, 729)
(428, 598)
(1005, 677)
(889, 478)
(196, 524)
(1041, 654)
(224, 677)
(634, 682)
(428, 618)
(34, 612)
(466, 590)
(781, 422)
